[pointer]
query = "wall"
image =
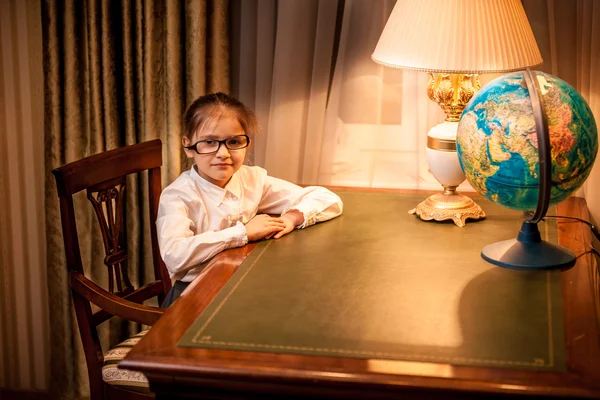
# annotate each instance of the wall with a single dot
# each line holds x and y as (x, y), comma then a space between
(23, 295)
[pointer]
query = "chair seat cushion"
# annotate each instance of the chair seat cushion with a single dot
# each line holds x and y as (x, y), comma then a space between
(124, 378)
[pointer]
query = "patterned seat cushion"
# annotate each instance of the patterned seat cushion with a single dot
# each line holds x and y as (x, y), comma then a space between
(124, 378)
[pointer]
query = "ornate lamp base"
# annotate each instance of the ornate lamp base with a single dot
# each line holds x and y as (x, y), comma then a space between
(448, 205)
(452, 92)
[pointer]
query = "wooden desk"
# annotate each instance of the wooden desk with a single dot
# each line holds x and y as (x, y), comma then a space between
(180, 372)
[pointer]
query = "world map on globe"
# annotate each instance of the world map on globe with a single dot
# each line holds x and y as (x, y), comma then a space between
(497, 143)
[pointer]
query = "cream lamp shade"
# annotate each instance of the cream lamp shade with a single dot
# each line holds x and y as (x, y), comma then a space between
(454, 40)
(458, 36)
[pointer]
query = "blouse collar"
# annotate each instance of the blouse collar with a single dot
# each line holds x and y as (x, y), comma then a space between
(215, 192)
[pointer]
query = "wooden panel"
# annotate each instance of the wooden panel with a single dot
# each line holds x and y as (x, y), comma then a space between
(6, 394)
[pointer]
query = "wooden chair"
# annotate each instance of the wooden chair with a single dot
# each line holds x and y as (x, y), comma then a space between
(103, 176)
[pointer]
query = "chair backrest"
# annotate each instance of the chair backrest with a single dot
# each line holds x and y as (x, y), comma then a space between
(103, 176)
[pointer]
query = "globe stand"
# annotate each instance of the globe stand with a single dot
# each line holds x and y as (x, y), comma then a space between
(528, 251)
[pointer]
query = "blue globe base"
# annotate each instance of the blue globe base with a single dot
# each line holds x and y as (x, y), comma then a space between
(528, 252)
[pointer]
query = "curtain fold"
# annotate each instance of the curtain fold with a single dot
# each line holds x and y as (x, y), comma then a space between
(117, 73)
(330, 115)
(295, 57)
(23, 300)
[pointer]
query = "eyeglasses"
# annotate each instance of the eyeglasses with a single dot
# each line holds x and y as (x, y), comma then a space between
(213, 145)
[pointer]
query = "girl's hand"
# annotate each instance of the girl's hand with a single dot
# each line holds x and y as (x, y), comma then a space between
(291, 220)
(263, 225)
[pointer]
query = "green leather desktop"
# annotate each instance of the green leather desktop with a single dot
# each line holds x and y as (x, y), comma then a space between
(377, 304)
(380, 283)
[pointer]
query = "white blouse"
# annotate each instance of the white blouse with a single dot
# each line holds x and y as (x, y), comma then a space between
(197, 219)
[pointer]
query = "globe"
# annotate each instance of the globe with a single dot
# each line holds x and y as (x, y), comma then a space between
(497, 142)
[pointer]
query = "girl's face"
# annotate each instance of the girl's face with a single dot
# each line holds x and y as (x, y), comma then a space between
(218, 167)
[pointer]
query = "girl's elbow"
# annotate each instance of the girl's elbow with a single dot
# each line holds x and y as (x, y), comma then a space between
(172, 265)
(174, 258)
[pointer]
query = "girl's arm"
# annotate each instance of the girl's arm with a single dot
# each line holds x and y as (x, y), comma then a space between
(182, 249)
(316, 203)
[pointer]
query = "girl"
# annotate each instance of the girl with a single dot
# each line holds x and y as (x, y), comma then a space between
(219, 203)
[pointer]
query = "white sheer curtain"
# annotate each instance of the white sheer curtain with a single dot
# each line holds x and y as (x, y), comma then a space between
(332, 116)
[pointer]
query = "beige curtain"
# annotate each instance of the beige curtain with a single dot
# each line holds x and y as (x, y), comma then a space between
(23, 298)
(117, 73)
(332, 116)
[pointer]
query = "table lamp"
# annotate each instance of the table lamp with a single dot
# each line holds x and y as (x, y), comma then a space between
(454, 40)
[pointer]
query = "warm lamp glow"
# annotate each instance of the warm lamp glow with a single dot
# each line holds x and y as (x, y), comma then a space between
(458, 36)
(454, 40)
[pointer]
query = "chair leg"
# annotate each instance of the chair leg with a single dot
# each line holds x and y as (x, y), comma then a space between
(97, 389)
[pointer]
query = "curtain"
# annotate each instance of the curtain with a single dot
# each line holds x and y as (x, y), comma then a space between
(568, 35)
(333, 116)
(23, 298)
(117, 73)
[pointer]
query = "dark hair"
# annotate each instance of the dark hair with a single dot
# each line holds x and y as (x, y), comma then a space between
(206, 111)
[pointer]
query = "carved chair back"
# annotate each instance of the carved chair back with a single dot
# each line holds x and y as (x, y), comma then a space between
(103, 176)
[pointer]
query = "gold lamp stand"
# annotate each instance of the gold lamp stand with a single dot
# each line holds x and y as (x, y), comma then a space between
(452, 92)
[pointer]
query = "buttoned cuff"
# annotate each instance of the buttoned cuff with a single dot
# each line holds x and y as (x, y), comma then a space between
(236, 235)
(308, 213)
